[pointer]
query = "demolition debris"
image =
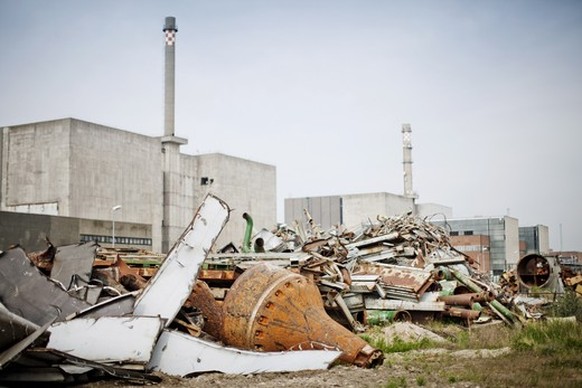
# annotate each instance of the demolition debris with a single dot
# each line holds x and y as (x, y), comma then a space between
(291, 299)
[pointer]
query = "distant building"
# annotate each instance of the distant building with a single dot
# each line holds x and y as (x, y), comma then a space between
(495, 239)
(353, 209)
(82, 170)
(477, 247)
(536, 239)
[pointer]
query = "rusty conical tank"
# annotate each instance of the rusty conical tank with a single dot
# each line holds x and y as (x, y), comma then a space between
(271, 309)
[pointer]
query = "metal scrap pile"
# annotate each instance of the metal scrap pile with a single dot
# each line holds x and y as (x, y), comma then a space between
(398, 267)
(67, 316)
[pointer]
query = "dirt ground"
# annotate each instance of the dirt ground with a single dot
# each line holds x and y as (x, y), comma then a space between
(410, 369)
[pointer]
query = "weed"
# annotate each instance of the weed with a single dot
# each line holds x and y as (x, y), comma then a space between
(569, 304)
(396, 382)
(549, 338)
(452, 379)
(420, 381)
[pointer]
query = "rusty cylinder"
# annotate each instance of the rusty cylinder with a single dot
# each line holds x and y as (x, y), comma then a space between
(272, 309)
(459, 300)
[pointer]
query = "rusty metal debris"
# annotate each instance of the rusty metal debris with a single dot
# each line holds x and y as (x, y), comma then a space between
(287, 299)
(85, 321)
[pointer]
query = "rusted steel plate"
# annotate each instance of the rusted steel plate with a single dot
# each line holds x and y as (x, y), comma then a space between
(202, 298)
(406, 279)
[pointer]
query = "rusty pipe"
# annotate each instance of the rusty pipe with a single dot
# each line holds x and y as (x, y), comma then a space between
(272, 309)
(462, 313)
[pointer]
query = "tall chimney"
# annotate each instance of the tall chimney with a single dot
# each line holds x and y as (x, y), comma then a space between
(170, 31)
(407, 161)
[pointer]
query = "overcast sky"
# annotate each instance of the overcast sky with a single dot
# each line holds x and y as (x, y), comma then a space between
(320, 89)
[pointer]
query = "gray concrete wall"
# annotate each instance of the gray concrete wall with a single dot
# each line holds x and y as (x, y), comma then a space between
(511, 241)
(112, 167)
(31, 230)
(433, 209)
(246, 186)
(360, 207)
(544, 233)
(36, 165)
(325, 211)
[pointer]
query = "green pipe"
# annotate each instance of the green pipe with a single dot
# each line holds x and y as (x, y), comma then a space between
(246, 245)
(497, 307)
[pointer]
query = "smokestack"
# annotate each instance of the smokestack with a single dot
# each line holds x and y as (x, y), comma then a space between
(407, 161)
(170, 31)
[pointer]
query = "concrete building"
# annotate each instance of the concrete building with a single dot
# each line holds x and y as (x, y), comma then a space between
(82, 170)
(535, 239)
(86, 171)
(499, 236)
(353, 209)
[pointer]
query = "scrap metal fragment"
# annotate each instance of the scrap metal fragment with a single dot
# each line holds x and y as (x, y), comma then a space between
(74, 260)
(133, 338)
(173, 282)
(41, 364)
(9, 354)
(13, 328)
(428, 302)
(272, 309)
(179, 354)
(29, 293)
(44, 260)
(202, 299)
(115, 307)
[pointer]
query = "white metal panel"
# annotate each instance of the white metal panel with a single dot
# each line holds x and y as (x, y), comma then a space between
(173, 282)
(428, 302)
(180, 354)
(107, 339)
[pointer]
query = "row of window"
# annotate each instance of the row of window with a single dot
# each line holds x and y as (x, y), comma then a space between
(465, 233)
(118, 240)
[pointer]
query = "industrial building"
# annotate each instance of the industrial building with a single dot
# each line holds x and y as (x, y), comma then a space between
(353, 209)
(534, 239)
(491, 241)
(121, 187)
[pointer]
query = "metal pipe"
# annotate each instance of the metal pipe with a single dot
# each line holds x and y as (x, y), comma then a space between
(497, 307)
(246, 246)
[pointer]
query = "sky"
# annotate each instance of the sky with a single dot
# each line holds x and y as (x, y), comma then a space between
(320, 89)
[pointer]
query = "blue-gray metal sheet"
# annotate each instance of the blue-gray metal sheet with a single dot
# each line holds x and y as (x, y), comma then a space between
(26, 291)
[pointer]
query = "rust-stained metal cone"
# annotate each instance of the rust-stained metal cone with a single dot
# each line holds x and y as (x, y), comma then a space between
(271, 309)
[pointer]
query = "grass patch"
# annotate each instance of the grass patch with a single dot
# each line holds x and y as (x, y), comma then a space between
(396, 382)
(397, 345)
(549, 338)
(568, 305)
